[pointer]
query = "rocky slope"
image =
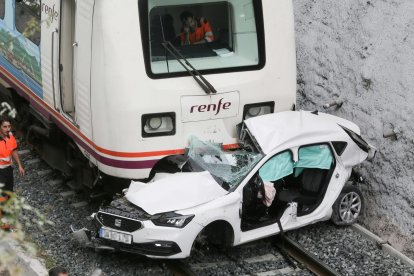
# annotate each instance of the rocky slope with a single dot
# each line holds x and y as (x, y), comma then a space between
(362, 53)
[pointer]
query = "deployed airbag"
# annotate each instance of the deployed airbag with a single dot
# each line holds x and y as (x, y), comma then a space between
(281, 165)
(277, 167)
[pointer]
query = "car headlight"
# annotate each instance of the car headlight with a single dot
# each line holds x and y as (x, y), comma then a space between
(257, 109)
(172, 220)
(158, 124)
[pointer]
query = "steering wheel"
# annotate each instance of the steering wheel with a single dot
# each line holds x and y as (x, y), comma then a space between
(259, 184)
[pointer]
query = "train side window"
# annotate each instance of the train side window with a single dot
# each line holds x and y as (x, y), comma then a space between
(28, 20)
(2, 8)
(215, 36)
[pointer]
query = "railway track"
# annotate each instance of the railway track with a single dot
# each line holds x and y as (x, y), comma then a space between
(306, 258)
(257, 258)
(345, 251)
(279, 255)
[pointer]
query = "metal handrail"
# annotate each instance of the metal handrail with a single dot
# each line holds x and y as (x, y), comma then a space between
(55, 31)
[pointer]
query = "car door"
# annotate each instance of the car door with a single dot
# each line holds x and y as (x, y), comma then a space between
(262, 220)
(322, 176)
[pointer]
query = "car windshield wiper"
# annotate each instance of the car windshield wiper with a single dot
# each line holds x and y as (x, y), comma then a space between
(204, 84)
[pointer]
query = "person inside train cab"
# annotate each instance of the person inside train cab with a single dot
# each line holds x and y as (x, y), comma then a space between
(195, 30)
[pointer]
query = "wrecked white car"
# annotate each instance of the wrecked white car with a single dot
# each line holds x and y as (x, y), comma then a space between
(292, 170)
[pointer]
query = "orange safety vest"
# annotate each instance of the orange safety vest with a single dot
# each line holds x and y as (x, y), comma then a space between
(7, 146)
(202, 32)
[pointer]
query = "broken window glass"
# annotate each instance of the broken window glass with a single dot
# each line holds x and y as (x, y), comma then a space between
(229, 168)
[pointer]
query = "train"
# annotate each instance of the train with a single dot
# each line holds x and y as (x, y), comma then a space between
(108, 90)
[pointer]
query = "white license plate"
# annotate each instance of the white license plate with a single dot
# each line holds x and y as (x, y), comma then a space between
(115, 236)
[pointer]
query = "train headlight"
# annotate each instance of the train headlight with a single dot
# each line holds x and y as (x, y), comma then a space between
(257, 109)
(158, 124)
(154, 123)
(254, 111)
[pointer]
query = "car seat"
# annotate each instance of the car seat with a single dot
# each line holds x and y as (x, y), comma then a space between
(310, 189)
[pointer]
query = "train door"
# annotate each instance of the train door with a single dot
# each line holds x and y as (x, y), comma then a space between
(50, 49)
(67, 61)
(66, 57)
(58, 55)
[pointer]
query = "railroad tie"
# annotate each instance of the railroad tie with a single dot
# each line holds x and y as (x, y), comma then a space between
(44, 172)
(79, 204)
(67, 194)
(23, 152)
(33, 161)
(55, 182)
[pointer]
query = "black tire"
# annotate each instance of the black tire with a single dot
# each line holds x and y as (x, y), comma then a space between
(198, 243)
(348, 206)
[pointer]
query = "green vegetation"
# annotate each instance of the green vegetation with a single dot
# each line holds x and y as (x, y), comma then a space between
(14, 214)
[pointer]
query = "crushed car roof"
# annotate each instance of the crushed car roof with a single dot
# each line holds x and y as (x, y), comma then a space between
(276, 129)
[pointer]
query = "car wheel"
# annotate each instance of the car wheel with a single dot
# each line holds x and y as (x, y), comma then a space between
(348, 206)
(200, 242)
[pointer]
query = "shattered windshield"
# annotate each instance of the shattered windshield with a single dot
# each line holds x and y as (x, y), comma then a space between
(227, 167)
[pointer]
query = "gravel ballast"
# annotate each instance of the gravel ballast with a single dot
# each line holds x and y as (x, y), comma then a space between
(347, 251)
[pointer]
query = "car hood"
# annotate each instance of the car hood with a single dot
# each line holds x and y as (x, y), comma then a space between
(172, 192)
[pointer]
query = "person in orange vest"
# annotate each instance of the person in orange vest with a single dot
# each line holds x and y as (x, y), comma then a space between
(195, 31)
(8, 149)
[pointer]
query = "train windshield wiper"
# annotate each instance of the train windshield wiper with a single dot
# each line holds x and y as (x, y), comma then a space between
(204, 84)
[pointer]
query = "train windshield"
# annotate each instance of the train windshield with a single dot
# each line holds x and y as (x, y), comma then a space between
(215, 36)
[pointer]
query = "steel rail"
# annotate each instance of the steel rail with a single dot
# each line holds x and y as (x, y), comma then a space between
(303, 256)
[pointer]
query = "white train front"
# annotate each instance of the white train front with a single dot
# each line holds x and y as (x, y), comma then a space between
(97, 78)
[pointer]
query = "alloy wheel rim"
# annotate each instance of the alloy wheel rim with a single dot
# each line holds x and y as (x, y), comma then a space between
(350, 207)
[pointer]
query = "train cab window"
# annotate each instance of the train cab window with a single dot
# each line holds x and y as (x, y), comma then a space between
(214, 36)
(28, 19)
(2, 8)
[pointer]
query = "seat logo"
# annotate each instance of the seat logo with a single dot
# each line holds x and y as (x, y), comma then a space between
(118, 222)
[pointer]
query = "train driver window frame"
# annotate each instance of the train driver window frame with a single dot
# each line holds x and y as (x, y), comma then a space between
(237, 44)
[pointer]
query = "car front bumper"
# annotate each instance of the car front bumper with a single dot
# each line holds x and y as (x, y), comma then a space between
(154, 249)
(149, 240)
